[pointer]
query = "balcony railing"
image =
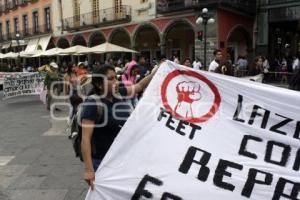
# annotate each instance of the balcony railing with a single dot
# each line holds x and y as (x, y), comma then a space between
(12, 5)
(27, 32)
(21, 2)
(100, 18)
(166, 6)
(7, 36)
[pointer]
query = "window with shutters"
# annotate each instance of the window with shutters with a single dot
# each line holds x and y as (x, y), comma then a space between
(118, 8)
(8, 29)
(35, 19)
(76, 8)
(96, 11)
(25, 25)
(1, 32)
(16, 23)
(47, 15)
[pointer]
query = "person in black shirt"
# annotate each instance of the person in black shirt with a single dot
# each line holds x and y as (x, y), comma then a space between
(111, 114)
(295, 81)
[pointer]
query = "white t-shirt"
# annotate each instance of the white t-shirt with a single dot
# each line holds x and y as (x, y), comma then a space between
(213, 66)
(296, 64)
(197, 65)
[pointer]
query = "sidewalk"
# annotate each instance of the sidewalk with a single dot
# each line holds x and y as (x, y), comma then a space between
(37, 161)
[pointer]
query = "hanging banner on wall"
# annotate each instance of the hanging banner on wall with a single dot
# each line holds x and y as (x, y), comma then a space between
(200, 135)
(23, 84)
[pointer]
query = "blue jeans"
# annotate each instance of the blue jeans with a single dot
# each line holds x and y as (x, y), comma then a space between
(96, 163)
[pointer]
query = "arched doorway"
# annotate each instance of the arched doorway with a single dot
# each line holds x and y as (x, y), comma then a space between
(95, 39)
(179, 38)
(239, 42)
(79, 40)
(51, 44)
(147, 41)
(120, 36)
(63, 43)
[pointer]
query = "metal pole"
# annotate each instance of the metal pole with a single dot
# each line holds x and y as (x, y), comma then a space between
(18, 58)
(205, 39)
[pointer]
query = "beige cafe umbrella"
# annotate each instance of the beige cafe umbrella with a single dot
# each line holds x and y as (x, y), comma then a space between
(24, 54)
(108, 48)
(50, 52)
(75, 50)
(1, 55)
(11, 55)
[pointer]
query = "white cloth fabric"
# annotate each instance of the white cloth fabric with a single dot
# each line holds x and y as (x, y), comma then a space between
(296, 64)
(213, 66)
(197, 65)
(227, 138)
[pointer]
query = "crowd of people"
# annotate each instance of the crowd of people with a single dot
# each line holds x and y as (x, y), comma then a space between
(76, 77)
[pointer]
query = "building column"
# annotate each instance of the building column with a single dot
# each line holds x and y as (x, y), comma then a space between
(261, 32)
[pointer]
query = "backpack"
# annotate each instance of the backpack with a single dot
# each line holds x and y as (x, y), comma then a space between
(76, 129)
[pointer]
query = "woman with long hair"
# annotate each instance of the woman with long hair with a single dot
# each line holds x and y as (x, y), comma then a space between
(71, 87)
(256, 67)
(111, 114)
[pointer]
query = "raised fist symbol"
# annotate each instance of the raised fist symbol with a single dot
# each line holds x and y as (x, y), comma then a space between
(187, 93)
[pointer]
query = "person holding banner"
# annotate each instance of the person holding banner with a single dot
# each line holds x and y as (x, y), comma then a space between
(101, 126)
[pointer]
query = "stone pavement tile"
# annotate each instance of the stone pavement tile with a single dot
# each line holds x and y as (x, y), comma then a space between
(10, 173)
(4, 160)
(37, 169)
(58, 153)
(62, 176)
(57, 128)
(76, 194)
(37, 194)
(7, 151)
(27, 156)
(80, 184)
(27, 182)
(3, 196)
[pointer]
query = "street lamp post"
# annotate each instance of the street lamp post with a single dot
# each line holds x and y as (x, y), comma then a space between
(18, 44)
(205, 19)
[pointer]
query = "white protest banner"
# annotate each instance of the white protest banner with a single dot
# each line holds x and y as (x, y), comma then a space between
(200, 135)
(2, 77)
(23, 84)
(258, 78)
(3, 74)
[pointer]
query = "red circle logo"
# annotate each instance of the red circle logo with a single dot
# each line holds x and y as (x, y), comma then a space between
(198, 99)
